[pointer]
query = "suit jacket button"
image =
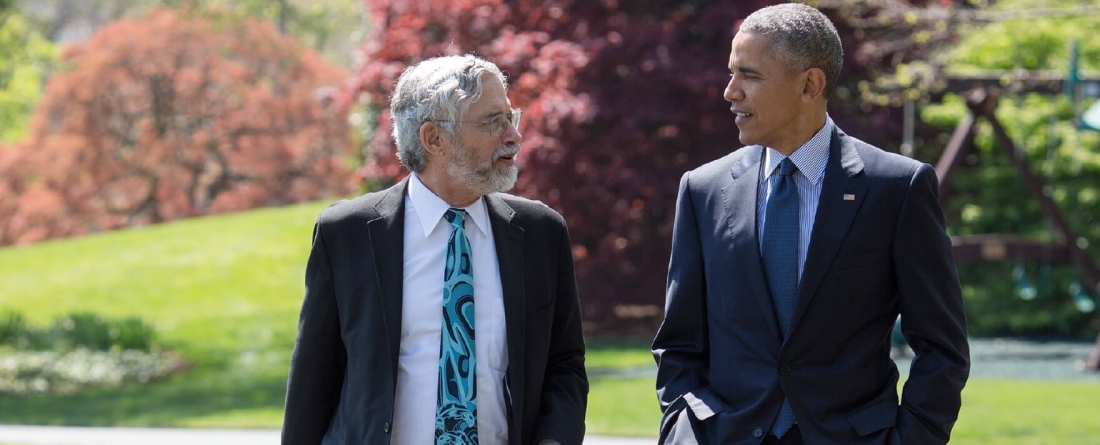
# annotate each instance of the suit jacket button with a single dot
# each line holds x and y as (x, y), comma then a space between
(784, 370)
(757, 432)
(386, 427)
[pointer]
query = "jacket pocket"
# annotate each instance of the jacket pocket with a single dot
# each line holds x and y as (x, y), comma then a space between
(704, 403)
(874, 418)
(542, 310)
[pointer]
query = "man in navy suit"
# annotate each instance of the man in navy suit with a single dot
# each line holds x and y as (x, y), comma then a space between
(791, 259)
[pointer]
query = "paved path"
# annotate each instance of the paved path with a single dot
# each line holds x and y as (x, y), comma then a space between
(991, 358)
(48, 435)
(997, 358)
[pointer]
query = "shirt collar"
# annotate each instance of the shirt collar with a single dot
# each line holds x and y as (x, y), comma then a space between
(430, 208)
(810, 158)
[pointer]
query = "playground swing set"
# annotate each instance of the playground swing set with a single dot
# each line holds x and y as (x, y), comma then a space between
(982, 95)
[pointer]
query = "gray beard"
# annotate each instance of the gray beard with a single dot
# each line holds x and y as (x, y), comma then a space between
(482, 179)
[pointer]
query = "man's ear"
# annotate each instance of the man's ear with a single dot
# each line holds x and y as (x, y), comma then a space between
(814, 85)
(433, 138)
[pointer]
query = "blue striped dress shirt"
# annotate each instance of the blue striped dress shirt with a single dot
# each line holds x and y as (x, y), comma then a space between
(810, 159)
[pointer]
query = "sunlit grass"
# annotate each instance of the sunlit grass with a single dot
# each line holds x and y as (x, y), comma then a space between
(222, 291)
(618, 354)
(994, 412)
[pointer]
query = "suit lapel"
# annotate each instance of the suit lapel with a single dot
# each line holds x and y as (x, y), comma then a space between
(508, 238)
(387, 241)
(740, 197)
(834, 216)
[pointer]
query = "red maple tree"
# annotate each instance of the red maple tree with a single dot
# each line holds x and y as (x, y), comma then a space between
(171, 115)
(619, 98)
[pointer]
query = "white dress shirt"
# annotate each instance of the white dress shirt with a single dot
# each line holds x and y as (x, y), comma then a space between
(426, 235)
(810, 159)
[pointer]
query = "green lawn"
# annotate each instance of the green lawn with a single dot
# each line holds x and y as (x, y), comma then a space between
(995, 412)
(225, 292)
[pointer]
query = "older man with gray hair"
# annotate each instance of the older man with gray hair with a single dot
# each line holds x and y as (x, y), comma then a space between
(440, 310)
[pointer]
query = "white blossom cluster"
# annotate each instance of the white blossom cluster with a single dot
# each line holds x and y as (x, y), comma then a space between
(54, 372)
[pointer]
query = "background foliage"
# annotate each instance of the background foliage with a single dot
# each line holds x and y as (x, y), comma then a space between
(25, 62)
(987, 195)
(173, 115)
(331, 27)
(620, 99)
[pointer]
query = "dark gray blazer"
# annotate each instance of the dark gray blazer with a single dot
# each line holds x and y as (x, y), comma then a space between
(723, 367)
(344, 367)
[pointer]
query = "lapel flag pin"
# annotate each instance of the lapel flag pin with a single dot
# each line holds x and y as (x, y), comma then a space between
(848, 197)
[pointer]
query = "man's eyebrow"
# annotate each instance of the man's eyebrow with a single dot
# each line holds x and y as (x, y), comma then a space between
(747, 69)
(490, 114)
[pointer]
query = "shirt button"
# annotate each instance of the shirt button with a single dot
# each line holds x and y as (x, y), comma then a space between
(757, 432)
(784, 370)
(386, 427)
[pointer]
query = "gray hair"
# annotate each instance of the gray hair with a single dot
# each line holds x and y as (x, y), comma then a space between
(802, 37)
(439, 90)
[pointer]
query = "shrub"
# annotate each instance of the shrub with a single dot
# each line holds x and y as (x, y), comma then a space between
(78, 351)
(77, 330)
(13, 329)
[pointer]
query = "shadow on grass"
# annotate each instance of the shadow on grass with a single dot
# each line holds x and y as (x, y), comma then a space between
(617, 356)
(169, 402)
(602, 344)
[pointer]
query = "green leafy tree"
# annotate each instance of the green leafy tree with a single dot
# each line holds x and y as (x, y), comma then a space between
(26, 59)
(330, 27)
(987, 196)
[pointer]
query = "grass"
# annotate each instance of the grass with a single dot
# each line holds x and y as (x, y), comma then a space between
(1008, 412)
(225, 292)
(617, 354)
(994, 412)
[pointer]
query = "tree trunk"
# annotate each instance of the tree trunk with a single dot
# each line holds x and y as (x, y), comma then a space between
(284, 13)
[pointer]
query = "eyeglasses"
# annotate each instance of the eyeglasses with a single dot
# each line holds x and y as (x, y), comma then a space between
(498, 123)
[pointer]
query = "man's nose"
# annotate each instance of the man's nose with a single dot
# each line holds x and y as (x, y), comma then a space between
(733, 91)
(511, 135)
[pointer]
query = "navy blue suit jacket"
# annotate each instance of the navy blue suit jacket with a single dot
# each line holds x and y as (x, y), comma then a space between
(723, 366)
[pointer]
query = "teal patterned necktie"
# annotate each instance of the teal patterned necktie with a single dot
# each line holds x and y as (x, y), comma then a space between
(456, 406)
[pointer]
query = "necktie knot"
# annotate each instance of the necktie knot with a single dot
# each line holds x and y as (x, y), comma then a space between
(786, 167)
(455, 216)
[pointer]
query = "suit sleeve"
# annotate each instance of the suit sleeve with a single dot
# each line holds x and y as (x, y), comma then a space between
(932, 316)
(318, 362)
(681, 346)
(565, 387)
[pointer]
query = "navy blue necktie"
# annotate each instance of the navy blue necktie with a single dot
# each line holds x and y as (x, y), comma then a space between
(456, 407)
(780, 253)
